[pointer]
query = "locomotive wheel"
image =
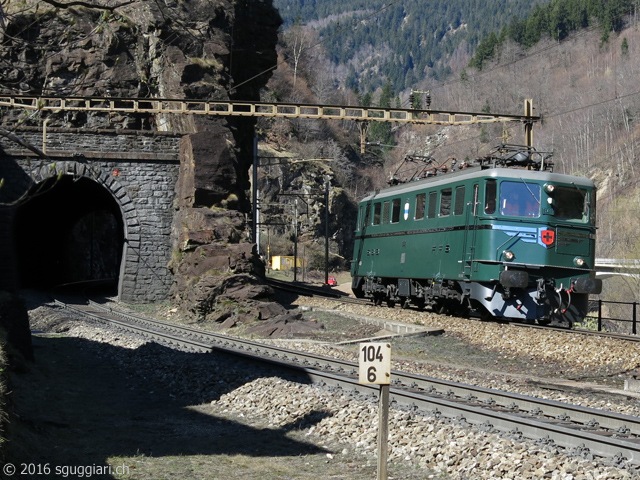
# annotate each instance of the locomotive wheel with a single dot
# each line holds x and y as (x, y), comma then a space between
(406, 302)
(462, 311)
(391, 303)
(485, 316)
(441, 307)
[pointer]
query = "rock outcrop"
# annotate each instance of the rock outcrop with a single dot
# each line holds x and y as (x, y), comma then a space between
(199, 49)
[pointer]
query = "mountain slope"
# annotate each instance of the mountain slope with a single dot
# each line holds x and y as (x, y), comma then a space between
(404, 41)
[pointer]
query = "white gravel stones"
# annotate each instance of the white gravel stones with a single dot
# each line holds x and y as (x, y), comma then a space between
(442, 446)
(581, 352)
(576, 351)
(56, 320)
(439, 445)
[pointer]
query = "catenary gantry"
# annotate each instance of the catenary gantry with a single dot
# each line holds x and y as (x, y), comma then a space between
(362, 115)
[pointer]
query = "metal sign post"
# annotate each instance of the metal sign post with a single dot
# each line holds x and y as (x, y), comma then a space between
(375, 369)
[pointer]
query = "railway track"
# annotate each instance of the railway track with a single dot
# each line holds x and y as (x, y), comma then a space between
(579, 429)
(619, 336)
(310, 291)
(343, 298)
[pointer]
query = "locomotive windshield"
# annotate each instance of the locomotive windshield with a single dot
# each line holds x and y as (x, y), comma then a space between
(520, 199)
(571, 203)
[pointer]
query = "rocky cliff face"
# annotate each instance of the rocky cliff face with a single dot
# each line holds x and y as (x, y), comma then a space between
(173, 49)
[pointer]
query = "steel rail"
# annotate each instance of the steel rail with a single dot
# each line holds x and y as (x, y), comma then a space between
(545, 431)
(581, 331)
(171, 340)
(418, 383)
(311, 291)
(603, 433)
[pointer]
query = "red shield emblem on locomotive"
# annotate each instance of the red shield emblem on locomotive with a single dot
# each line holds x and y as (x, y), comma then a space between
(547, 237)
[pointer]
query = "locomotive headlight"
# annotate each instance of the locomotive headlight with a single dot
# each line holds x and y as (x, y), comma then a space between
(508, 255)
(549, 188)
(550, 201)
(579, 262)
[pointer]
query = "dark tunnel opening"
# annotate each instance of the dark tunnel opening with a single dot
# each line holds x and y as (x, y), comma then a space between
(70, 231)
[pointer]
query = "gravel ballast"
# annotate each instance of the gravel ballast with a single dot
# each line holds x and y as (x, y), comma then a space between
(435, 447)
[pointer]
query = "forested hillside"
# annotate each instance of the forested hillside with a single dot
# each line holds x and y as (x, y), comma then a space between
(557, 20)
(583, 82)
(405, 41)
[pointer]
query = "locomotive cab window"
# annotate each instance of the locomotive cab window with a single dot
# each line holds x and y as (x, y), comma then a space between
(377, 208)
(520, 199)
(571, 203)
(490, 193)
(421, 200)
(395, 210)
(365, 213)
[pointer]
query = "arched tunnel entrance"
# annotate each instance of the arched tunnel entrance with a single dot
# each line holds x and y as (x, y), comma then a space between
(71, 230)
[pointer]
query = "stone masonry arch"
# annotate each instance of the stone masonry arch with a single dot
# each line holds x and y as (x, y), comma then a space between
(140, 184)
(130, 256)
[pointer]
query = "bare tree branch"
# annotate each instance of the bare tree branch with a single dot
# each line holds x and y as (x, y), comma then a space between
(78, 3)
(15, 138)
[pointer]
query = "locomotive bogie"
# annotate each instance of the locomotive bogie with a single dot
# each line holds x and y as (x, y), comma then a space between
(513, 244)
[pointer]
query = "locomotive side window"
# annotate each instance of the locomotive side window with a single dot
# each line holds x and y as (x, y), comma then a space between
(395, 210)
(421, 200)
(377, 208)
(385, 212)
(458, 207)
(520, 199)
(571, 203)
(490, 192)
(433, 198)
(445, 202)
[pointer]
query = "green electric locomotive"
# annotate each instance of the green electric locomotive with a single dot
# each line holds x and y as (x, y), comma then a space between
(506, 238)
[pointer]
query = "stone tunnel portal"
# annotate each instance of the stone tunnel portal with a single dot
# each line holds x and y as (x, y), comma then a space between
(71, 230)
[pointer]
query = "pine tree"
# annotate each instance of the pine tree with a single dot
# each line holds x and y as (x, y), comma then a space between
(625, 47)
(381, 131)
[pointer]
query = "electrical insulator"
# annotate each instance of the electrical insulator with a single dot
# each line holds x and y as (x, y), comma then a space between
(428, 100)
(411, 100)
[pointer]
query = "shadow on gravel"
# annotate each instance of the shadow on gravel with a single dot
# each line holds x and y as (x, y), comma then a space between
(83, 402)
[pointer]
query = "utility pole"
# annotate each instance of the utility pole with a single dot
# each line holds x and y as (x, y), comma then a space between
(326, 231)
(254, 223)
(295, 242)
(256, 207)
(528, 126)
